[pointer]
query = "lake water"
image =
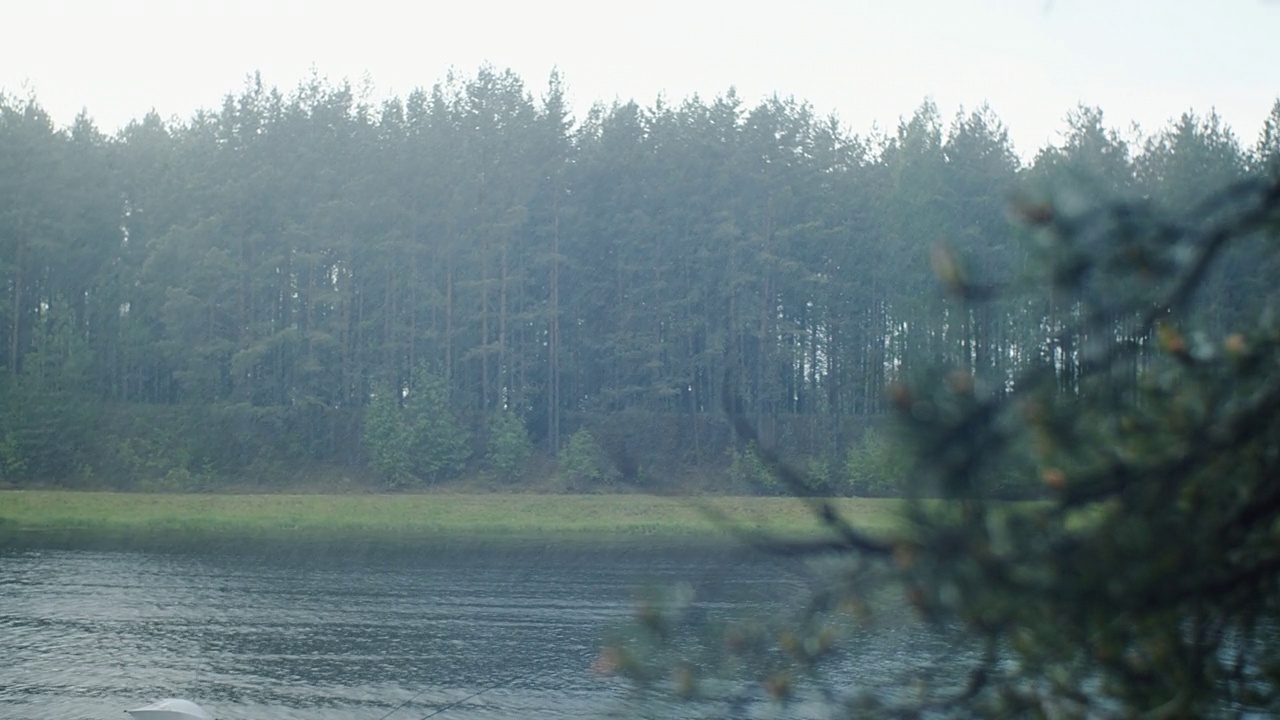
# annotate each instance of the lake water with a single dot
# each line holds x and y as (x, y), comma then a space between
(352, 632)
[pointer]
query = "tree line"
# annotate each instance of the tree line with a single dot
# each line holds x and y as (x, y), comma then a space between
(309, 279)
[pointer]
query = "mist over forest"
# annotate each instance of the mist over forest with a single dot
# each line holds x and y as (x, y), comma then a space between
(470, 282)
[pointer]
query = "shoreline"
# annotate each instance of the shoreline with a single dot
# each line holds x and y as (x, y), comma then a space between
(68, 516)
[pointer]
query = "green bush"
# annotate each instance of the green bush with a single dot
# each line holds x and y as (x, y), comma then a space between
(878, 465)
(509, 444)
(746, 466)
(818, 476)
(583, 461)
(412, 436)
(47, 434)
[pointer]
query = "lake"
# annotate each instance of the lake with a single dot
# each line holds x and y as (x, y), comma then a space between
(354, 632)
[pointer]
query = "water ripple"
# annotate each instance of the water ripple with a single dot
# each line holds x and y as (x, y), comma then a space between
(277, 636)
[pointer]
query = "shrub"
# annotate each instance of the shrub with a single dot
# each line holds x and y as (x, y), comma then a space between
(877, 465)
(584, 461)
(746, 466)
(412, 436)
(509, 444)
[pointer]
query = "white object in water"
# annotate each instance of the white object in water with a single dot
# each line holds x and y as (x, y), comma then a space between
(170, 709)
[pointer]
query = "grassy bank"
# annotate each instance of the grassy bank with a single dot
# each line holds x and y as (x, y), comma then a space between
(550, 517)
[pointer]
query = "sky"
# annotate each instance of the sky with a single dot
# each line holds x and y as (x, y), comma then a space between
(870, 62)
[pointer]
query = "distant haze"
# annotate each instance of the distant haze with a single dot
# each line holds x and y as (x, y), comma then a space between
(871, 62)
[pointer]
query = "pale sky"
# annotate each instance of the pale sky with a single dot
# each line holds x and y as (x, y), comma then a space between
(869, 61)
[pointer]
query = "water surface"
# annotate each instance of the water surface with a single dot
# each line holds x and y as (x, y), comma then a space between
(278, 631)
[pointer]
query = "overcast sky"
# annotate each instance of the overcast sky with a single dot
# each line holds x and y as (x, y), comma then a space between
(869, 61)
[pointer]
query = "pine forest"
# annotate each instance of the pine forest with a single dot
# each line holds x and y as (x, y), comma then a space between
(471, 282)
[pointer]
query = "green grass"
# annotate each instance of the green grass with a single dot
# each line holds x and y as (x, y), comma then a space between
(425, 516)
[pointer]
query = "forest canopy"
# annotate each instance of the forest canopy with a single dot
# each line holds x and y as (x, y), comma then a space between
(192, 300)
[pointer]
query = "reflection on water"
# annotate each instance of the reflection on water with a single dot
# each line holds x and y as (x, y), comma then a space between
(274, 633)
